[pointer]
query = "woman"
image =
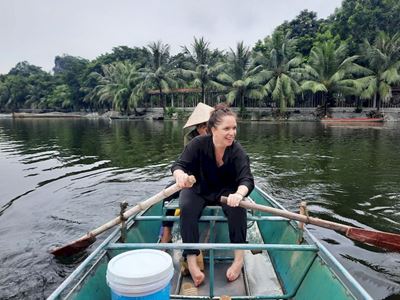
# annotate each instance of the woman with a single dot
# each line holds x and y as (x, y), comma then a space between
(221, 168)
(198, 118)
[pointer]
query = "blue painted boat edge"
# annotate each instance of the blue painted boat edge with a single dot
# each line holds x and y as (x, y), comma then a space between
(337, 268)
(328, 257)
(97, 254)
(82, 267)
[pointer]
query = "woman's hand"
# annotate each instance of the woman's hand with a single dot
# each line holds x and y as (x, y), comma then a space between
(182, 179)
(234, 199)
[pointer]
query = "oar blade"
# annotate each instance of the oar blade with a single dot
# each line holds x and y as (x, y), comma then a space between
(385, 240)
(74, 247)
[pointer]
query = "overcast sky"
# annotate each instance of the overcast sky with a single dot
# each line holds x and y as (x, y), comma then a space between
(38, 30)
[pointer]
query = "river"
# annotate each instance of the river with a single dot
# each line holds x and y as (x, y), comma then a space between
(60, 178)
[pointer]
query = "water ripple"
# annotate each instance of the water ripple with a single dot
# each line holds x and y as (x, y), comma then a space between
(65, 178)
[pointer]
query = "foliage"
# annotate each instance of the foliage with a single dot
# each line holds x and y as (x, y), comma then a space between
(158, 74)
(60, 97)
(131, 76)
(181, 114)
(25, 69)
(69, 70)
(115, 87)
(329, 70)
(202, 66)
(357, 20)
(303, 29)
(170, 111)
(325, 35)
(279, 73)
(239, 76)
(24, 87)
(383, 60)
(138, 56)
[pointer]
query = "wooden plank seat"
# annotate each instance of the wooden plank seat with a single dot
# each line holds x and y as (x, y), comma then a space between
(208, 210)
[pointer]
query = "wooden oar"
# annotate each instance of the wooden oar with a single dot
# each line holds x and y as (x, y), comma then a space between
(89, 238)
(386, 240)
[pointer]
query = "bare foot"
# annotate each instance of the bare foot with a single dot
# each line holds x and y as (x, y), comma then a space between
(197, 275)
(166, 236)
(235, 269)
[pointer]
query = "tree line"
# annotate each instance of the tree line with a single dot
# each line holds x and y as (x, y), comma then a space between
(353, 54)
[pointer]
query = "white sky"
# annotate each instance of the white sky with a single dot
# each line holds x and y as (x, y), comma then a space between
(38, 30)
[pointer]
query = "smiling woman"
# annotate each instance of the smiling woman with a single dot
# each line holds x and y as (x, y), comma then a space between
(222, 125)
(221, 167)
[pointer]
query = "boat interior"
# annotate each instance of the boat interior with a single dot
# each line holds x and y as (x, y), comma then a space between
(281, 261)
(249, 282)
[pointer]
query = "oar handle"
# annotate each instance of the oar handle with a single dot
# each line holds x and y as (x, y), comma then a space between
(85, 241)
(165, 193)
(385, 240)
(290, 215)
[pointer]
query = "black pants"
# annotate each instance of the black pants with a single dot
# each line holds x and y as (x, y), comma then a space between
(170, 212)
(192, 205)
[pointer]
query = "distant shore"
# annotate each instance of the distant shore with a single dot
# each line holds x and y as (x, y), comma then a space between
(250, 114)
(28, 115)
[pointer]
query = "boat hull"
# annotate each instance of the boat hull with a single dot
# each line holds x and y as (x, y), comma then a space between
(23, 115)
(352, 120)
(305, 271)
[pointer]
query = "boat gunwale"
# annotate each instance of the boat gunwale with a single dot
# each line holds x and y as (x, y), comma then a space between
(337, 268)
(332, 263)
(91, 260)
(212, 246)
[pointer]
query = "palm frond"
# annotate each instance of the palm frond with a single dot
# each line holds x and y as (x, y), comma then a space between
(277, 89)
(231, 96)
(369, 87)
(391, 76)
(313, 86)
(385, 91)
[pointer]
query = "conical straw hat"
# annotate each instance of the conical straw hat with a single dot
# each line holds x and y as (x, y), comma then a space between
(200, 115)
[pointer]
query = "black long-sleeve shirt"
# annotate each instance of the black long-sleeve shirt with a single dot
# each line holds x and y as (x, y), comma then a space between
(198, 159)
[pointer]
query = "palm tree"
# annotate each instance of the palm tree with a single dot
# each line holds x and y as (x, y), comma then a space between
(280, 73)
(116, 87)
(240, 76)
(383, 59)
(330, 71)
(60, 97)
(202, 67)
(159, 74)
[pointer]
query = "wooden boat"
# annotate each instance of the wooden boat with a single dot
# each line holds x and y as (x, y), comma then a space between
(277, 265)
(352, 120)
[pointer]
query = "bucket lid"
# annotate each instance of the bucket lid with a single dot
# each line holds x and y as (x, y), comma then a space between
(140, 267)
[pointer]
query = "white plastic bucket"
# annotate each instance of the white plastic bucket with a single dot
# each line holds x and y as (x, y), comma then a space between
(141, 275)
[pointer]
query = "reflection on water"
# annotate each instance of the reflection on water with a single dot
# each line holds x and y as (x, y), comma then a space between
(62, 178)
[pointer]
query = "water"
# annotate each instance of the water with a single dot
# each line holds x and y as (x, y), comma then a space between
(62, 178)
